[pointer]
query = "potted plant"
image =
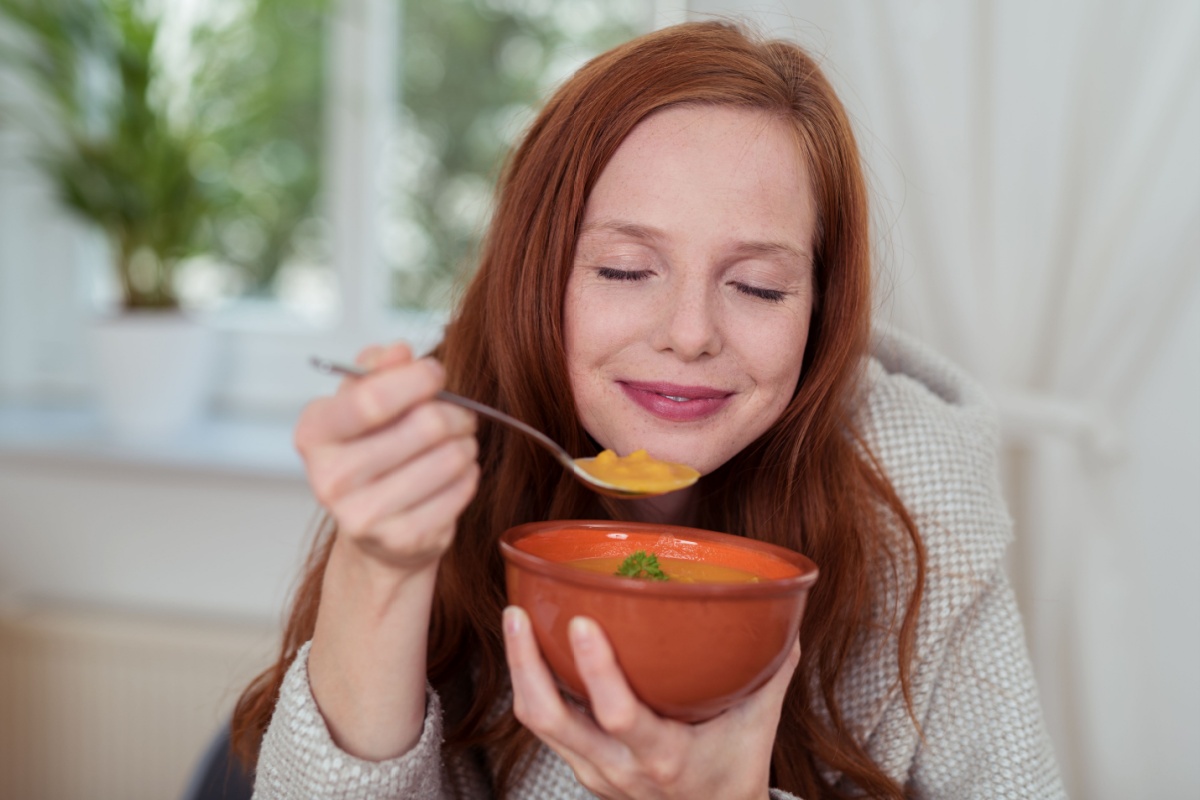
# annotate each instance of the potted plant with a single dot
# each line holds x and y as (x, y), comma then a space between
(99, 113)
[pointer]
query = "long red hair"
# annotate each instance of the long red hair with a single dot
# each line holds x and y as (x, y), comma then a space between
(809, 483)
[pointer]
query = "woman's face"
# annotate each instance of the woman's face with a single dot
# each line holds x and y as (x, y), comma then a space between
(688, 303)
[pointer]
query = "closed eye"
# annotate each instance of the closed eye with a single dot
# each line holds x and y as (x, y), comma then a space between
(613, 274)
(770, 295)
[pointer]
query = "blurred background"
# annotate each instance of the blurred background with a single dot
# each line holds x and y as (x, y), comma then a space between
(196, 195)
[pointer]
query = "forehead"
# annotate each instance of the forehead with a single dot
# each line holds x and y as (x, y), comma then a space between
(734, 167)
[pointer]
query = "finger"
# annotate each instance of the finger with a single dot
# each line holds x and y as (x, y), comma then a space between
(364, 404)
(768, 699)
(338, 469)
(393, 355)
(374, 356)
(423, 533)
(777, 686)
(368, 357)
(614, 705)
(536, 701)
(407, 487)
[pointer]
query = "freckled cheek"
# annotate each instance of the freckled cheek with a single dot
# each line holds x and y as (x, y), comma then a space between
(585, 366)
(603, 327)
(775, 371)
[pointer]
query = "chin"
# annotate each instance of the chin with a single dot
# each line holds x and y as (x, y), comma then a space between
(702, 459)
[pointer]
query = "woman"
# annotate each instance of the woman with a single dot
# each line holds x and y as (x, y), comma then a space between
(678, 261)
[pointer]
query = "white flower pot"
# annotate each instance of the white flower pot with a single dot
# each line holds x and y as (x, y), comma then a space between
(153, 373)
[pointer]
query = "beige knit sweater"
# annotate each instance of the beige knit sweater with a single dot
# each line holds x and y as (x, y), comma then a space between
(934, 432)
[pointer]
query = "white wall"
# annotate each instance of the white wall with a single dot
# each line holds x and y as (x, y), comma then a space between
(158, 538)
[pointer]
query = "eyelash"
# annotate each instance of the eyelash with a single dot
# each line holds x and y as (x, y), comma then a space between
(770, 295)
(613, 274)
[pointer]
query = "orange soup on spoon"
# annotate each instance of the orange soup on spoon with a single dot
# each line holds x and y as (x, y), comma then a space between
(639, 472)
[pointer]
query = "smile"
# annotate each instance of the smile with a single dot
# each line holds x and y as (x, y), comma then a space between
(675, 403)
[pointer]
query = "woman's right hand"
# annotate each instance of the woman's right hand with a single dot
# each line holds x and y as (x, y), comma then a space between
(395, 468)
(392, 465)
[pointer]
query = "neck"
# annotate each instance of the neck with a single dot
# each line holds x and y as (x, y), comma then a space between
(676, 508)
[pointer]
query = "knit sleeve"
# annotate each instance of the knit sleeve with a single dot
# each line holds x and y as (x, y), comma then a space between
(299, 760)
(984, 736)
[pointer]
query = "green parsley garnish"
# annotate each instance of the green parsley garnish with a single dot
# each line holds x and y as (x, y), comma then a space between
(642, 565)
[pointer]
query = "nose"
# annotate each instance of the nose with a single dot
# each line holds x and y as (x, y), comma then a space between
(689, 324)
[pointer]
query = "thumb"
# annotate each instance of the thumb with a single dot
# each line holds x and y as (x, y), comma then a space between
(772, 692)
(762, 709)
(788, 668)
(394, 355)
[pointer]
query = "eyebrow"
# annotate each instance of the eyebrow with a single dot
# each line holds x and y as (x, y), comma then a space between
(745, 248)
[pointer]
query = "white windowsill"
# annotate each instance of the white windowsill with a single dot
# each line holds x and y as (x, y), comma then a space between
(259, 447)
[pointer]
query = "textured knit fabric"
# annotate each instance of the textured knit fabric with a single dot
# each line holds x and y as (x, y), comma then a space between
(973, 692)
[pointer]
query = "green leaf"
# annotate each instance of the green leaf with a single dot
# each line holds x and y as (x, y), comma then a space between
(642, 565)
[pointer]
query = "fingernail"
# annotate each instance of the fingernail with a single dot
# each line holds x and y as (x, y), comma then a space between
(512, 620)
(369, 357)
(439, 371)
(581, 633)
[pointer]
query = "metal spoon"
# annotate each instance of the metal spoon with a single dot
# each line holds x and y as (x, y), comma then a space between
(562, 456)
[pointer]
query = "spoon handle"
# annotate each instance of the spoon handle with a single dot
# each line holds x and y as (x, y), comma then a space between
(330, 367)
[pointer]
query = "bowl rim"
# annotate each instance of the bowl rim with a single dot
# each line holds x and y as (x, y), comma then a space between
(613, 583)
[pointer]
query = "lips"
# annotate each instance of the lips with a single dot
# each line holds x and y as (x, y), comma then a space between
(676, 403)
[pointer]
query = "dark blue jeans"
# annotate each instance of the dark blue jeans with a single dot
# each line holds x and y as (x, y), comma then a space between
(219, 775)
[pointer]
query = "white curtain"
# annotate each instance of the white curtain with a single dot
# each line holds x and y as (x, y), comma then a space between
(1039, 167)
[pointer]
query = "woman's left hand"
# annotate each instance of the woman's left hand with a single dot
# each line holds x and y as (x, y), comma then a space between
(625, 750)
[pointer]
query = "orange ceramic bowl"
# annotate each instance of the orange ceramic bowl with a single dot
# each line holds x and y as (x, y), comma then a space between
(689, 651)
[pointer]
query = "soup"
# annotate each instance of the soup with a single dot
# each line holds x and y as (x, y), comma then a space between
(639, 472)
(677, 570)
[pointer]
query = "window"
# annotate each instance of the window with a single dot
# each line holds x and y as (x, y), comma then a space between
(351, 147)
(472, 74)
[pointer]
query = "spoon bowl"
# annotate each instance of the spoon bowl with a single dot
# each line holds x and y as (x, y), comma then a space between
(572, 465)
